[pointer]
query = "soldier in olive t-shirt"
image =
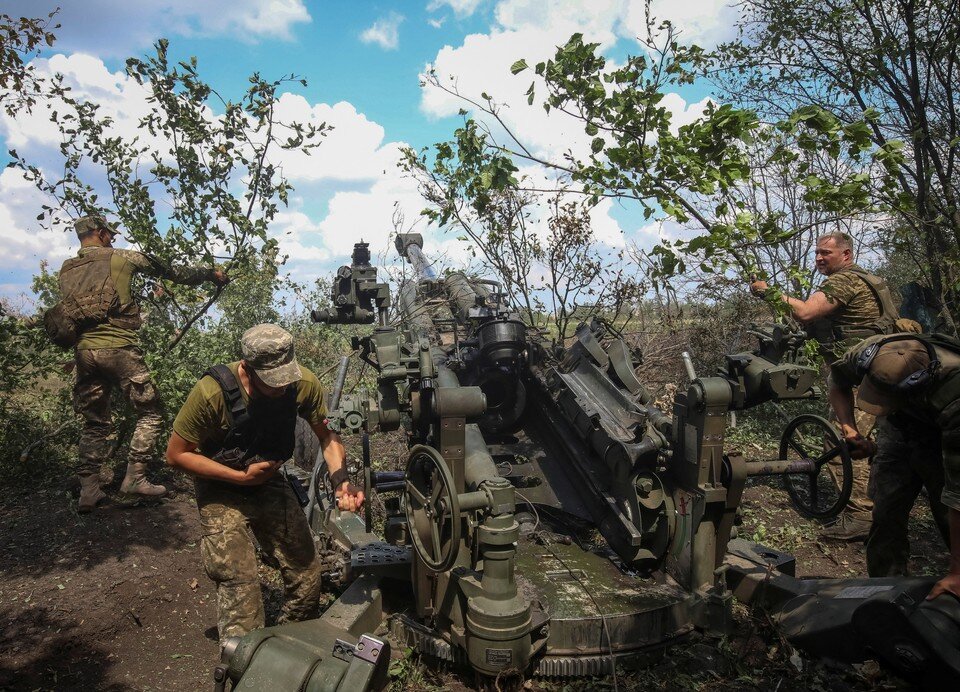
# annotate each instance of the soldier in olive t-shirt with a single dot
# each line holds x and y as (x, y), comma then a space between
(266, 392)
(850, 305)
(204, 418)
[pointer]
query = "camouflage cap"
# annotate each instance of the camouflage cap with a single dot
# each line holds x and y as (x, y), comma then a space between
(87, 224)
(894, 363)
(268, 350)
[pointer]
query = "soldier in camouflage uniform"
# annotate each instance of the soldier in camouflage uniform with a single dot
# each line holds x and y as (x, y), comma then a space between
(97, 285)
(912, 383)
(234, 432)
(850, 305)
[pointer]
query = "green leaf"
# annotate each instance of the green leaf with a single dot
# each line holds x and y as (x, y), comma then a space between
(518, 67)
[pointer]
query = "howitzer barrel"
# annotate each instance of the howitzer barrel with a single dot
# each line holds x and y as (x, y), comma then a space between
(461, 293)
(413, 311)
(339, 382)
(410, 245)
(421, 264)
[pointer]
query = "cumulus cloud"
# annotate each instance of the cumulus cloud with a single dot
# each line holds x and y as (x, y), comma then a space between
(385, 32)
(353, 151)
(88, 78)
(25, 243)
(704, 22)
(117, 28)
(461, 8)
(354, 170)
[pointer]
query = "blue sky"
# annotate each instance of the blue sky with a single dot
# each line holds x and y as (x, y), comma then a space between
(362, 61)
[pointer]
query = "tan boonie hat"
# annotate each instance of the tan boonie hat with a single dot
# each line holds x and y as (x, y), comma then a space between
(894, 363)
(268, 350)
(87, 224)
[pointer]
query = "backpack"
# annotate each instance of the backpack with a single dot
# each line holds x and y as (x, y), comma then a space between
(62, 329)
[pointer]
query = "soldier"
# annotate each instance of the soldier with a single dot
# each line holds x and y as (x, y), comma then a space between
(247, 412)
(850, 305)
(97, 286)
(914, 382)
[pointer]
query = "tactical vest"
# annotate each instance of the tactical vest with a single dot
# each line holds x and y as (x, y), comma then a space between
(89, 294)
(265, 428)
(886, 321)
(828, 332)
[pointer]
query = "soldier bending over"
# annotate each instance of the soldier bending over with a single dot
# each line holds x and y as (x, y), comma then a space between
(234, 432)
(914, 381)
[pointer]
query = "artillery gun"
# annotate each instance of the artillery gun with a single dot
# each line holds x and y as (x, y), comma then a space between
(551, 520)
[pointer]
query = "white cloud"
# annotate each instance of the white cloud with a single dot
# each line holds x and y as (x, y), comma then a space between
(353, 167)
(482, 64)
(596, 20)
(117, 28)
(461, 8)
(353, 151)
(683, 113)
(368, 214)
(25, 242)
(119, 96)
(704, 22)
(436, 23)
(385, 32)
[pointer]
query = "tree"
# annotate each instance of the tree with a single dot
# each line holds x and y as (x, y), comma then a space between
(700, 174)
(551, 266)
(21, 38)
(897, 61)
(199, 165)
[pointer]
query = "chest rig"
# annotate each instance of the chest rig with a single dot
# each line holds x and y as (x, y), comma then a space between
(264, 430)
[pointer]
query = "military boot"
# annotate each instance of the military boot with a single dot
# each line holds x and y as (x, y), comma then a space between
(90, 494)
(136, 487)
(848, 529)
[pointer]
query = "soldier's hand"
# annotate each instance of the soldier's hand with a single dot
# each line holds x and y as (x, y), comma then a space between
(260, 472)
(949, 584)
(349, 497)
(758, 288)
(860, 447)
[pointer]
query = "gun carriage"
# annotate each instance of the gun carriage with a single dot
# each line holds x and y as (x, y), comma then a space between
(551, 520)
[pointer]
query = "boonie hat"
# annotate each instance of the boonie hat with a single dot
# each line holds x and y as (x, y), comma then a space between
(87, 224)
(894, 363)
(268, 350)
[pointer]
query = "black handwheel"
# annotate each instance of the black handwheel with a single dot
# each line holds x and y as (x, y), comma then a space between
(823, 492)
(367, 483)
(432, 508)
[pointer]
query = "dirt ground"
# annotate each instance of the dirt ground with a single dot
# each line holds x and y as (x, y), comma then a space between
(117, 600)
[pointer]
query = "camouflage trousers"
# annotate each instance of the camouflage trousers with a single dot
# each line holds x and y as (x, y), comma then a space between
(99, 372)
(909, 457)
(859, 506)
(231, 518)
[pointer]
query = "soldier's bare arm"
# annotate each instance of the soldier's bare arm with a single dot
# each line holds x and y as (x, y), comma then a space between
(841, 401)
(817, 306)
(350, 498)
(183, 455)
